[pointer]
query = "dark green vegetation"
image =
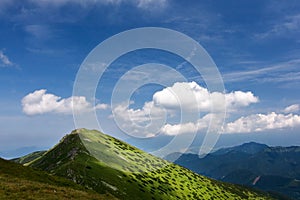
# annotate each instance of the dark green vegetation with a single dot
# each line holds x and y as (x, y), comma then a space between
(19, 182)
(112, 166)
(275, 169)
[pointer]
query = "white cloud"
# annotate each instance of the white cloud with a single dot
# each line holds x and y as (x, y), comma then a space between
(101, 106)
(40, 102)
(178, 129)
(144, 122)
(213, 121)
(292, 108)
(4, 60)
(205, 100)
(262, 122)
(248, 124)
(138, 115)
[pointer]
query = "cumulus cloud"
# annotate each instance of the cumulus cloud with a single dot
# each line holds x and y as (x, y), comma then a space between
(138, 115)
(177, 129)
(40, 102)
(212, 120)
(101, 106)
(292, 108)
(205, 100)
(4, 60)
(144, 122)
(262, 122)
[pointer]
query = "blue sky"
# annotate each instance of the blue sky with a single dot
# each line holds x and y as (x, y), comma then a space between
(255, 45)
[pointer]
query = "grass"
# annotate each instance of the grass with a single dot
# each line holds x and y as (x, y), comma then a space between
(19, 182)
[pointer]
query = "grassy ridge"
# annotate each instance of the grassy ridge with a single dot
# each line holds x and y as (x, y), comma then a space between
(19, 182)
(110, 165)
(28, 158)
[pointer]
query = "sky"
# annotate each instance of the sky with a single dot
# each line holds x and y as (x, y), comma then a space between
(255, 46)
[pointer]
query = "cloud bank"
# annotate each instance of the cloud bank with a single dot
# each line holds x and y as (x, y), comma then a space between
(172, 100)
(248, 124)
(262, 122)
(166, 102)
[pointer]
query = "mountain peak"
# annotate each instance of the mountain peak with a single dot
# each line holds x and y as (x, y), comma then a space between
(254, 144)
(251, 147)
(248, 148)
(79, 131)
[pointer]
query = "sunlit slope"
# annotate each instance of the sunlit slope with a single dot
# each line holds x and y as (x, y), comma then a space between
(110, 165)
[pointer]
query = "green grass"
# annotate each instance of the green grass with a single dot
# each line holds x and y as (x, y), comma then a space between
(110, 165)
(19, 182)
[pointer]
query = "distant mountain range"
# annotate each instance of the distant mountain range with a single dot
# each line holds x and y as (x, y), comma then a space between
(275, 169)
(109, 166)
(19, 151)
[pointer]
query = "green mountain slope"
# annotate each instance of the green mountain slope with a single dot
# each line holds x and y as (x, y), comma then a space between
(113, 166)
(19, 182)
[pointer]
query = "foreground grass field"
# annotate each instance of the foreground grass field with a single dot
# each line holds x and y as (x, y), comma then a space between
(19, 182)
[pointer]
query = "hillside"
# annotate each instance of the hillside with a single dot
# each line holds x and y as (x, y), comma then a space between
(19, 182)
(115, 167)
(274, 169)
